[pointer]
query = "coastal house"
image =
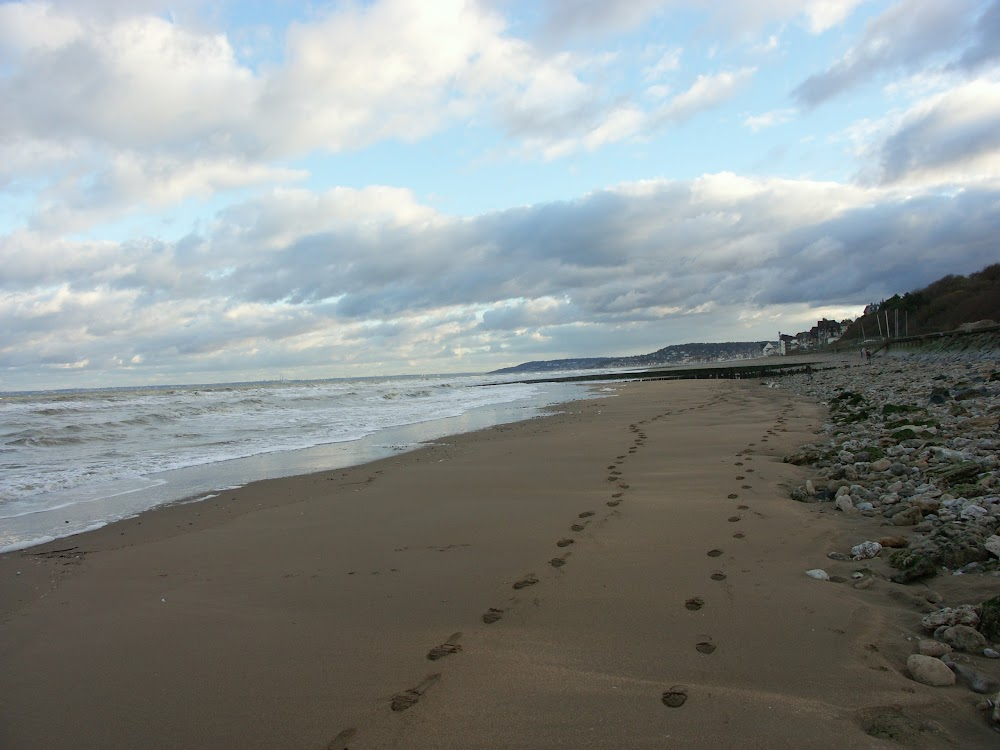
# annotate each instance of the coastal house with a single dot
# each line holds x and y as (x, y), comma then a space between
(770, 349)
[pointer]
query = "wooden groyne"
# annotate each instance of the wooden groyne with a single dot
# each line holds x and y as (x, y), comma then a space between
(725, 372)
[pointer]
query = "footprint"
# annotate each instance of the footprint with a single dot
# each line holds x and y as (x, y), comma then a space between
(733, 496)
(742, 507)
(746, 487)
(613, 503)
(694, 603)
(586, 514)
(705, 647)
(675, 696)
(491, 615)
(564, 542)
(577, 527)
(714, 552)
(557, 562)
(734, 519)
(450, 646)
(528, 580)
(738, 535)
(402, 701)
(340, 741)
(623, 486)
(618, 494)
(738, 463)
(718, 576)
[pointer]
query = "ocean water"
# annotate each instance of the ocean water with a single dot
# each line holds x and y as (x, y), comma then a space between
(71, 461)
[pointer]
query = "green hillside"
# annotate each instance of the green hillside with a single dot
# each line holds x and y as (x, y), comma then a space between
(945, 305)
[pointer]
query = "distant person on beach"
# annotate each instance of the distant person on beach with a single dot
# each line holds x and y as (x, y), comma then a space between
(809, 371)
(868, 355)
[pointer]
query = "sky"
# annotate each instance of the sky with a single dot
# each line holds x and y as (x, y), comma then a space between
(218, 191)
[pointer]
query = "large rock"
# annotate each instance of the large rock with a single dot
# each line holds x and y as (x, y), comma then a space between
(909, 517)
(964, 638)
(962, 615)
(927, 647)
(930, 671)
(989, 621)
(894, 541)
(992, 545)
(911, 567)
(882, 464)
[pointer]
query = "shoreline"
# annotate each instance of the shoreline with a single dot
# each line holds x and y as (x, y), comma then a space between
(304, 611)
(90, 507)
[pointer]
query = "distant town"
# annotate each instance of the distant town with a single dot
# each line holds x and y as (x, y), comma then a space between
(824, 333)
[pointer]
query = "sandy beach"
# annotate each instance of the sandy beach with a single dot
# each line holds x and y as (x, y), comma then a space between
(627, 573)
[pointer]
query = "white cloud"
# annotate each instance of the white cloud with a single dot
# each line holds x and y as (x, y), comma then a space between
(706, 92)
(87, 94)
(823, 15)
(668, 62)
(769, 119)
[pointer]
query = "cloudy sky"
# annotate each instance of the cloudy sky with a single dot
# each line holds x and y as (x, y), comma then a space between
(205, 191)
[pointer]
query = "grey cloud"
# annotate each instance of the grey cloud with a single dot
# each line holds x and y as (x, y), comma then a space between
(583, 17)
(938, 140)
(889, 248)
(616, 271)
(616, 256)
(906, 35)
(986, 44)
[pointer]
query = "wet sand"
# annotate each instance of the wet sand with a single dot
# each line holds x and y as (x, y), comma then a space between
(628, 573)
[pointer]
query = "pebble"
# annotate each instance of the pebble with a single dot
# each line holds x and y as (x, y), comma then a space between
(890, 450)
(819, 575)
(914, 440)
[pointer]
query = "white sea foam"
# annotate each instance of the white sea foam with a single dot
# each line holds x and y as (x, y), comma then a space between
(34, 542)
(69, 460)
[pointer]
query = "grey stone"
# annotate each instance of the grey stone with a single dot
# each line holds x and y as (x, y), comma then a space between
(978, 683)
(930, 671)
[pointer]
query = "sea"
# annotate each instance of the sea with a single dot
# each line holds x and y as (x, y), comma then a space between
(75, 460)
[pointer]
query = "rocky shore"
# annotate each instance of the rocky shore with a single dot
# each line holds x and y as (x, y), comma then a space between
(912, 442)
